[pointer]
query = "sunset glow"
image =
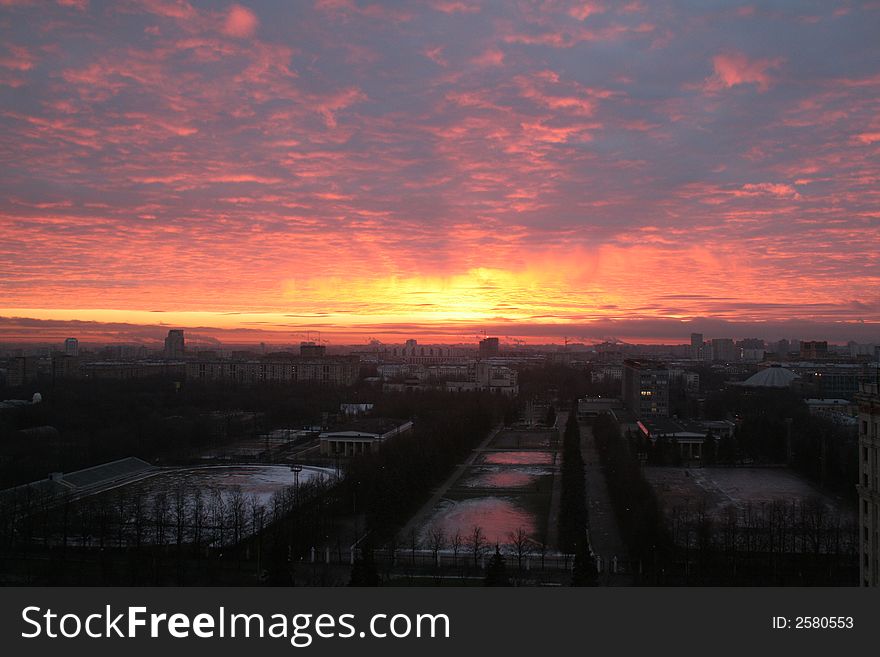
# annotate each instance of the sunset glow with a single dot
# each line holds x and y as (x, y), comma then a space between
(255, 171)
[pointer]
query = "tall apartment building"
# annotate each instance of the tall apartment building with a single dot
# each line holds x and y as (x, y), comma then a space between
(646, 388)
(814, 349)
(175, 345)
(489, 348)
(869, 483)
(341, 370)
(696, 346)
(71, 347)
(22, 370)
(724, 349)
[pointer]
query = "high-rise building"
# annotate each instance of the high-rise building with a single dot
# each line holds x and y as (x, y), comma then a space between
(869, 482)
(646, 388)
(22, 370)
(71, 347)
(696, 345)
(783, 347)
(312, 350)
(814, 349)
(489, 348)
(174, 344)
(724, 349)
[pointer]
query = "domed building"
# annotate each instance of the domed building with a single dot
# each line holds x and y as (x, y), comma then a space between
(774, 376)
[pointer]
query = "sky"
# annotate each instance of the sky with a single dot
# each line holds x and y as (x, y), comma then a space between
(436, 169)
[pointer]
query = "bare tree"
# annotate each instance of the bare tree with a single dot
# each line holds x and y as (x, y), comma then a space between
(413, 544)
(137, 509)
(179, 513)
(160, 517)
(476, 544)
(437, 541)
(456, 545)
(198, 516)
(237, 511)
(522, 545)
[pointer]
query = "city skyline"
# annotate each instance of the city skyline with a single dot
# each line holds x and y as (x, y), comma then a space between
(250, 172)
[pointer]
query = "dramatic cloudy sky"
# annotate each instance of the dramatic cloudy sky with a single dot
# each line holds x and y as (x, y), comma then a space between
(433, 169)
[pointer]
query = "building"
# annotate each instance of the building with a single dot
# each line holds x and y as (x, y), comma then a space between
(489, 348)
(363, 437)
(64, 367)
(869, 350)
(487, 376)
(830, 407)
(590, 407)
(724, 349)
(869, 482)
(22, 370)
(689, 436)
(831, 380)
(814, 349)
(71, 347)
(646, 388)
(175, 345)
(696, 346)
(607, 374)
(131, 370)
(415, 354)
(312, 350)
(337, 370)
(496, 378)
(355, 408)
(770, 377)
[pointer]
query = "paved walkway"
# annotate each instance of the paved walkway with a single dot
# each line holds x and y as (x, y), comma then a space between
(556, 493)
(605, 537)
(418, 519)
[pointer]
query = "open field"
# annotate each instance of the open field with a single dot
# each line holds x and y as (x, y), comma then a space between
(738, 487)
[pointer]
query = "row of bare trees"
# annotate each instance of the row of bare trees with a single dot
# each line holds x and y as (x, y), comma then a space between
(132, 516)
(781, 541)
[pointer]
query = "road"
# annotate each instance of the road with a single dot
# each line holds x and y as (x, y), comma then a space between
(605, 536)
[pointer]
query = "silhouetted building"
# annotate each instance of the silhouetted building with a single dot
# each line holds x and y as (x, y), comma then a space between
(812, 350)
(489, 348)
(175, 344)
(71, 347)
(724, 349)
(312, 350)
(64, 367)
(696, 346)
(22, 370)
(869, 483)
(335, 370)
(646, 388)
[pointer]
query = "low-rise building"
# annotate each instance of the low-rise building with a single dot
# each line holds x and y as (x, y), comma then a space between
(362, 437)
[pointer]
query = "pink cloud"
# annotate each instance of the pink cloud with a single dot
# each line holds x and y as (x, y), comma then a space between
(435, 55)
(772, 189)
(868, 137)
(453, 7)
(736, 68)
(490, 57)
(240, 22)
(584, 10)
(20, 59)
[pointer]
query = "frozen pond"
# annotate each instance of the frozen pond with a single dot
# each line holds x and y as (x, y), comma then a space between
(498, 517)
(518, 458)
(254, 482)
(215, 505)
(503, 477)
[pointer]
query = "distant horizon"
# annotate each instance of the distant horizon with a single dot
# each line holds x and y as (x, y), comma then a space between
(18, 330)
